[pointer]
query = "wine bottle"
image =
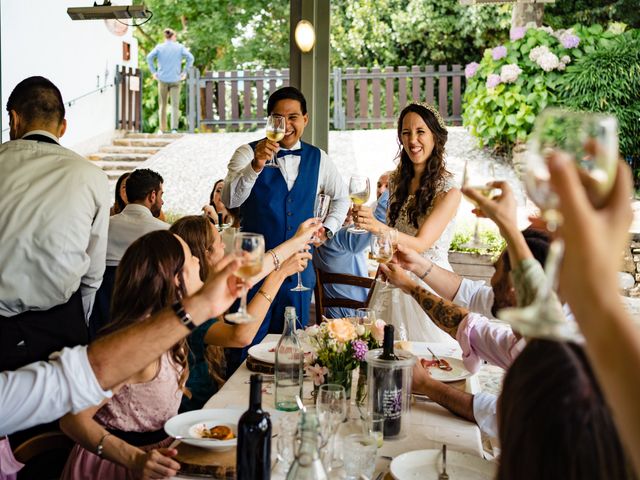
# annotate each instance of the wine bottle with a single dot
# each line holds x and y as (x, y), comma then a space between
(307, 464)
(289, 366)
(253, 454)
(388, 398)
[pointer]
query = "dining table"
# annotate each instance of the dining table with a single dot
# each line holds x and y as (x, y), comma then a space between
(429, 425)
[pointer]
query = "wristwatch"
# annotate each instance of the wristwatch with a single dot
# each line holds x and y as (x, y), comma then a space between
(328, 233)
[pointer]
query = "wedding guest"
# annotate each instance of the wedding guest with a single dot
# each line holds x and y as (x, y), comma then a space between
(273, 201)
(423, 202)
(215, 200)
(120, 194)
(206, 356)
(125, 434)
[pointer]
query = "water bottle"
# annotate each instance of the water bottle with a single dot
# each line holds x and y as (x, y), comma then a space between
(253, 454)
(289, 367)
(307, 465)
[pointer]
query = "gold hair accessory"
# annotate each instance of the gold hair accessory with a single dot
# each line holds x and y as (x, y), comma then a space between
(433, 110)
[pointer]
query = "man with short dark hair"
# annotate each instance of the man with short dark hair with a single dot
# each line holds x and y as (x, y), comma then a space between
(53, 230)
(169, 75)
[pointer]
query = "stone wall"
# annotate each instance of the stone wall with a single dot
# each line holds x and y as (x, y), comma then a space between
(630, 275)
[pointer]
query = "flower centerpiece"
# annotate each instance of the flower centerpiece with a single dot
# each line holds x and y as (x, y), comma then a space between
(340, 345)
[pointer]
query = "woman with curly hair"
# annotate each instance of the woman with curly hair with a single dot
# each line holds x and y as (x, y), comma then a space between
(423, 202)
(124, 438)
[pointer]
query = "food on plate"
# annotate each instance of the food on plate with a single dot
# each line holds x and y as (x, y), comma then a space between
(403, 345)
(441, 364)
(218, 432)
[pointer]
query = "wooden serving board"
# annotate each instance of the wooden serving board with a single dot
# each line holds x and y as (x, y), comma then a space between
(200, 461)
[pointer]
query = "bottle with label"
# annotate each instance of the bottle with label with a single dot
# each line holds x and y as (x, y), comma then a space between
(253, 455)
(307, 465)
(389, 384)
(289, 366)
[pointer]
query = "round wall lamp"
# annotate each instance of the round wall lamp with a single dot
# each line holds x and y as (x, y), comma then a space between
(305, 36)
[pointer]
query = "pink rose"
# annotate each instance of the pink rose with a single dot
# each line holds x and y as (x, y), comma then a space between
(377, 330)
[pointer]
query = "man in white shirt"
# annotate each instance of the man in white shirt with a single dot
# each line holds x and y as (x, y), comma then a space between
(274, 201)
(54, 212)
(144, 189)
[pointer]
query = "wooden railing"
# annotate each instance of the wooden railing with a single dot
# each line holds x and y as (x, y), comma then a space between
(361, 99)
(129, 99)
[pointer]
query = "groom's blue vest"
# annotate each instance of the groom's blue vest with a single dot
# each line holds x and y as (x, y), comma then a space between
(275, 211)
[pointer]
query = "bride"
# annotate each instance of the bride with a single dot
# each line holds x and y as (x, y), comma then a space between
(422, 204)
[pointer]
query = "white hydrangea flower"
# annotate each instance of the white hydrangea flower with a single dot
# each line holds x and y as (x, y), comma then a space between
(537, 52)
(548, 61)
(566, 59)
(509, 73)
(544, 28)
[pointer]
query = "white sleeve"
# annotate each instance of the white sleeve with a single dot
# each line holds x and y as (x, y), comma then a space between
(240, 177)
(331, 183)
(42, 392)
(476, 296)
(485, 413)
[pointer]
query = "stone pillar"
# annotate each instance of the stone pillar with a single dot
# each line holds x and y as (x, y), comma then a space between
(524, 13)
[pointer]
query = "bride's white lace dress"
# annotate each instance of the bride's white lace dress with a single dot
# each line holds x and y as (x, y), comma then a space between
(401, 310)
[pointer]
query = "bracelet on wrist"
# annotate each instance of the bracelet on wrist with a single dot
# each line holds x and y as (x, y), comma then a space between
(183, 316)
(276, 259)
(266, 295)
(427, 272)
(100, 447)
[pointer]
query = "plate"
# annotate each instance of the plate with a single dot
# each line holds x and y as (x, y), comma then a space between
(182, 425)
(457, 372)
(266, 352)
(427, 464)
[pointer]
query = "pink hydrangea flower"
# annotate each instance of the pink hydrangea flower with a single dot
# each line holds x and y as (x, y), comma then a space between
(517, 33)
(499, 52)
(317, 373)
(471, 69)
(493, 80)
(569, 40)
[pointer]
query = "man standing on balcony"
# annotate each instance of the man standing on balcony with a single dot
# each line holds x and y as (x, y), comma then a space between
(274, 201)
(169, 75)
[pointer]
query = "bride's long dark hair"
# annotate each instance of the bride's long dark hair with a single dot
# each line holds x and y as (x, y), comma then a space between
(432, 179)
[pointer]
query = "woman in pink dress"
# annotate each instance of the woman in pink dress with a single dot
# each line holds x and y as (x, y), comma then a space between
(124, 437)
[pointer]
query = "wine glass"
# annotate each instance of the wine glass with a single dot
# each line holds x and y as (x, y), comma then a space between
(359, 193)
(321, 210)
(366, 316)
(479, 183)
(249, 248)
(276, 127)
(592, 141)
(382, 250)
(331, 404)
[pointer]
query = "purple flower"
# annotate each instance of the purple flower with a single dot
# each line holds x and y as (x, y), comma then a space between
(360, 349)
(471, 69)
(493, 80)
(569, 40)
(516, 33)
(499, 52)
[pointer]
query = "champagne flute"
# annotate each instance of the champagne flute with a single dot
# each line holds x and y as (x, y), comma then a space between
(276, 127)
(321, 210)
(592, 141)
(249, 247)
(486, 191)
(382, 250)
(359, 192)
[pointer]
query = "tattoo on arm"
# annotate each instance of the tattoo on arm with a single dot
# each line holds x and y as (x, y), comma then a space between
(445, 314)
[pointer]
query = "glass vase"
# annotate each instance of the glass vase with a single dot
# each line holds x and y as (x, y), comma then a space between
(361, 387)
(341, 377)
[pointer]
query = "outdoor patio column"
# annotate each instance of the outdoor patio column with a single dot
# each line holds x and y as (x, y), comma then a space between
(310, 71)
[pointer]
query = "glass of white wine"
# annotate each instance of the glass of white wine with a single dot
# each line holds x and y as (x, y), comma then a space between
(592, 141)
(359, 192)
(480, 184)
(382, 250)
(276, 127)
(249, 247)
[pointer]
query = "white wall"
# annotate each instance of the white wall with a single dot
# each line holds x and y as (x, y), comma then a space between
(38, 38)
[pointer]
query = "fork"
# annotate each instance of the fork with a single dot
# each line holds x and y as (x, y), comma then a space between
(444, 475)
(441, 365)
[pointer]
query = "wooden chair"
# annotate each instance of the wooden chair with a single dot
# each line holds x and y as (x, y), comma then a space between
(323, 302)
(44, 455)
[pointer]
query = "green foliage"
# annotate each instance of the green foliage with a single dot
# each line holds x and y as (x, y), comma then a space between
(491, 238)
(172, 217)
(608, 80)
(563, 14)
(503, 115)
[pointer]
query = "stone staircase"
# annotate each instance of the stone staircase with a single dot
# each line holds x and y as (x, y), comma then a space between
(127, 153)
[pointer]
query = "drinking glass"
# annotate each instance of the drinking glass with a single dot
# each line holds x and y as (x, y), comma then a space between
(359, 193)
(366, 316)
(287, 442)
(375, 426)
(479, 183)
(362, 449)
(591, 139)
(382, 250)
(249, 248)
(331, 405)
(276, 127)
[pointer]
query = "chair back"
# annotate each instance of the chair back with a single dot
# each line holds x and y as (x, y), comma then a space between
(323, 302)
(44, 455)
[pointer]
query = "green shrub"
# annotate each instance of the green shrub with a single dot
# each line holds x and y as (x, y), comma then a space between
(495, 243)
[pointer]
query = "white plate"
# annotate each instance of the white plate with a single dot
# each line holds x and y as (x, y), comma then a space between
(427, 464)
(181, 425)
(457, 372)
(266, 352)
